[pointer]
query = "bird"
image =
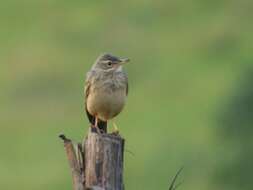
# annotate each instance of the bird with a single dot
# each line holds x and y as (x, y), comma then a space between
(106, 90)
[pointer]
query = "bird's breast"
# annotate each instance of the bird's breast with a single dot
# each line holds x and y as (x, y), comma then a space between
(106, 101)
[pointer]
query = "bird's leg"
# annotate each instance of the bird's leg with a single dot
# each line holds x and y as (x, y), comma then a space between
(95, 127)
(115, 128)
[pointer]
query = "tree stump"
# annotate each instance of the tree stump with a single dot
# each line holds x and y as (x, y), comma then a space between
(98, 163)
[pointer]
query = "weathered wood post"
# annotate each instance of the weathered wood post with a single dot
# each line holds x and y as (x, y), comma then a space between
(98, 163)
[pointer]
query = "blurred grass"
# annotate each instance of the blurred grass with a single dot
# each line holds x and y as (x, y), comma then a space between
(186, 58)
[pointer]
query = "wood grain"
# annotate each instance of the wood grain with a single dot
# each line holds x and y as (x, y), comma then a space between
(98, 163)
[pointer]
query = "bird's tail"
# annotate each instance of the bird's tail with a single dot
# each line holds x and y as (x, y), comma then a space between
(102, 125)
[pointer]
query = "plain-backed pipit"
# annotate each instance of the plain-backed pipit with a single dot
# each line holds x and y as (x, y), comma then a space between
(106, 89)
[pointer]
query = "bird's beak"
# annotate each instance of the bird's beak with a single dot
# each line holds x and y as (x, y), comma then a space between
(123, 61)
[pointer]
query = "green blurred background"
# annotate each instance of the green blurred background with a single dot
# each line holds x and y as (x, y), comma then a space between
(190, 102)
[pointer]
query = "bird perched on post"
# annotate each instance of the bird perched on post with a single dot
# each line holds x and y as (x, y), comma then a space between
(106, 89)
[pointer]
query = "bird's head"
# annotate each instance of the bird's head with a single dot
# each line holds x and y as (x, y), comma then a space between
(109, 62)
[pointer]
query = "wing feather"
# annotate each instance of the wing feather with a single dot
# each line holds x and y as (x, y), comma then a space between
(87, 87)
(88, 83)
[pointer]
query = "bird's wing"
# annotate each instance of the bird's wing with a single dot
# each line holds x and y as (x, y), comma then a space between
(88, 83)
(87, 87)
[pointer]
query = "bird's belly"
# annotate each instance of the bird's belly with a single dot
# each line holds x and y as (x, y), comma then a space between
(106, 105)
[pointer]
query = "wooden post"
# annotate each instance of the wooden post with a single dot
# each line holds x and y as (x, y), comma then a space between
(98, 163)
(104, 161)
(74, 164)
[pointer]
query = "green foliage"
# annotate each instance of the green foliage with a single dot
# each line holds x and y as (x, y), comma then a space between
(236, 121)
(186, 58)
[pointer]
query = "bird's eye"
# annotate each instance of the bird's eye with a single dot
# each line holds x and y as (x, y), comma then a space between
(109, 63)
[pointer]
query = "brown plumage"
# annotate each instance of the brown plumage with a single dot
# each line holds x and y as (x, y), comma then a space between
(106, 89)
